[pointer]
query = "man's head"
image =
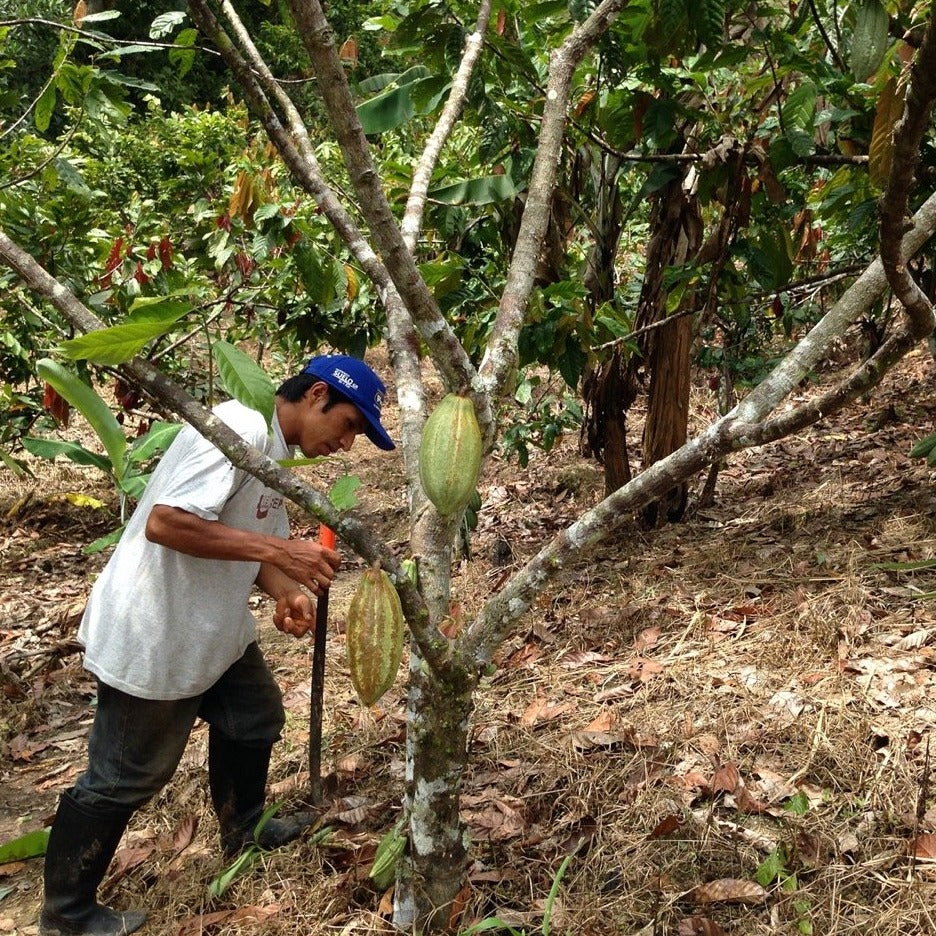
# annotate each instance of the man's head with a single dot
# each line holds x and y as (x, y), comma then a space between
(332, 400)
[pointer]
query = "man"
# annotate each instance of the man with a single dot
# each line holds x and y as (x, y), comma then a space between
(169, 636)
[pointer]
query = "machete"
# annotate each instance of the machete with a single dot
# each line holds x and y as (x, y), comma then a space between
(317, 692)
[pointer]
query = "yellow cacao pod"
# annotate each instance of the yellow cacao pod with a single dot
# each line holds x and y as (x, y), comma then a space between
(374, 635)
(450, 454)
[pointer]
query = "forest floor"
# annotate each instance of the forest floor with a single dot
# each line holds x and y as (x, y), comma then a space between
(723, 724)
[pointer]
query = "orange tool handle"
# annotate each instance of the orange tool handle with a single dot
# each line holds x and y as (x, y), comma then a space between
(326, 536)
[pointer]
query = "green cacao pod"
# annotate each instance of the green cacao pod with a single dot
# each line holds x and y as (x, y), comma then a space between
(450, 454)
(374, 635)
(388, 855)
(869, 40)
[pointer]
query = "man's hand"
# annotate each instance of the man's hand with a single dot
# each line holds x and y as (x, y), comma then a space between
(308, 563)
(294, 614)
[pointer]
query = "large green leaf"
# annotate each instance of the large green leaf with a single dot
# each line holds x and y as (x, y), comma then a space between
(414, 92)
(91, 406)
(50, 449)
(120, 343)
(481, 191)
(244, 379)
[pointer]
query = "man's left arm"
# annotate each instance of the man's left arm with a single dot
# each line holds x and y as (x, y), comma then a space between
(295, 610)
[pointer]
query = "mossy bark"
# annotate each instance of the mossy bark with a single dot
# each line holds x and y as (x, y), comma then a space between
(438, 716)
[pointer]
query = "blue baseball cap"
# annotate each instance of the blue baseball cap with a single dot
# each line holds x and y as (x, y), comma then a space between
(352, 377)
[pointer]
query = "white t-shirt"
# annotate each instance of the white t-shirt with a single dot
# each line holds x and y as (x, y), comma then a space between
(160, 624)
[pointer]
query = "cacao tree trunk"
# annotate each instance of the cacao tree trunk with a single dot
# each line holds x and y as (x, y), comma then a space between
(676, 227)
(667, 423)
(438, 711)
(677, 236)
(605, 390)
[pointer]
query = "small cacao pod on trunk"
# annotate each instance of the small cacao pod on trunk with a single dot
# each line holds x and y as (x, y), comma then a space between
(450, 454)
(374, 635)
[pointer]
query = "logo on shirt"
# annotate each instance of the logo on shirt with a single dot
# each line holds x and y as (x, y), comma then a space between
(267, 503)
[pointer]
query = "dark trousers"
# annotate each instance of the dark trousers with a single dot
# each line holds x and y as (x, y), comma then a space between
(136, 744)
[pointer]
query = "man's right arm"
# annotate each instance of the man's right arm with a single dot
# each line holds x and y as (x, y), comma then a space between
(305, 561)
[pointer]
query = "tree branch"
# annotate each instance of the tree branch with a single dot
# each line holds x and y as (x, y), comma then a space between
(448, 354)
(500, 359)
(295, 148)
(415, 205)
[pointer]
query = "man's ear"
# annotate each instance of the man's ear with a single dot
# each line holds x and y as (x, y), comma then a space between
(318, 391)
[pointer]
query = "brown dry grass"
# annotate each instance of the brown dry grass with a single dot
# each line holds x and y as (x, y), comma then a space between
(654, 716)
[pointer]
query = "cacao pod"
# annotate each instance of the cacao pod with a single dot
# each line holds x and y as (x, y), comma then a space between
(375, 635)
(388, 855)
(869, 40)
(450, 454)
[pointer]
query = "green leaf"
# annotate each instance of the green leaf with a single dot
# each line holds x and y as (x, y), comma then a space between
(100, 17)
(44, 108)
(376, 23)
(119, 343)
(91, 406)
(481, 191)
(799, 111)
(244, 862)
(102, 542)
(797, 804)
(133, 485)
(914, 566)
(320, 278)
(165, 23)
(71, 177)
(158, 438)
(133, 49)
(20, 469)
(182, 55)
(400, 102)
(31, 845)
(770, 868)
(490, 923)
(51, 448)
(924, 446)
(244, 379)
(342, 492)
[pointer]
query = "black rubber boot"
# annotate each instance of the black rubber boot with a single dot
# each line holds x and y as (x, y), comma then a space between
(81, 844)
(237, 775)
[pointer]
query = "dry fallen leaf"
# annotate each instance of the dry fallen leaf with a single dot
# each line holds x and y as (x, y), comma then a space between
(540, 710)
(644, 669)
(196, 925)
(666, 826)
(728, 890)
(726, 779)
(699, 926)
(924, 846)
(647, 638)
(185, 833)
(579, 658)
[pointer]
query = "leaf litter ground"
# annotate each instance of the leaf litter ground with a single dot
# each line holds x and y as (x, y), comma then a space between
(725, 722)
